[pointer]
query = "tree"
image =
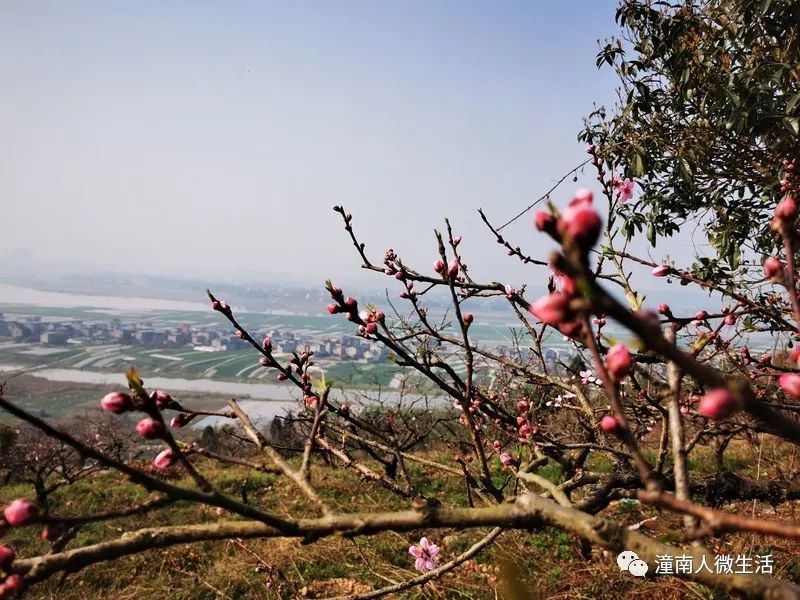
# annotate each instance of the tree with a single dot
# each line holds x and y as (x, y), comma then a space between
(708, 119)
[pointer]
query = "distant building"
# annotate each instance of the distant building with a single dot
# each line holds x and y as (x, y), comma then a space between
(57, 338)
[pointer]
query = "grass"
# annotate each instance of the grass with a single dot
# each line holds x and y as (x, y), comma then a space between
(544, 563)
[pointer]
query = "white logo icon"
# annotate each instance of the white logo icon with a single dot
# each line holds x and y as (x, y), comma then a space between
(629, 561)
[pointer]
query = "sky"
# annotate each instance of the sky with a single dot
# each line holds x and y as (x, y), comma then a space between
(210, 140)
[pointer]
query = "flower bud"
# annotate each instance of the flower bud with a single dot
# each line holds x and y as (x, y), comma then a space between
(545, 222)
(506, 459)
(661, 271)
(150, 429)
(161, 398)
(333, 308)
(552, 309)
(730, 319)
(468, 319)
(351, 304)
(180, 420)
(20, 512)
(6, 557)
(619, 361)
(718, 403)
(11, 587)
(165, 458)
(790, 383)
(117, 402)
(786, 209)
(609, 424)
(581, 224)
(664, 309)
(439, 266)
(773, 268)
(453, 268)
(371, 328)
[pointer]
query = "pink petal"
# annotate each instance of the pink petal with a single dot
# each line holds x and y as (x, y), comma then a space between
(419, 564)
(415, 551)
(430, 565)
(423, 543)
(433, 550)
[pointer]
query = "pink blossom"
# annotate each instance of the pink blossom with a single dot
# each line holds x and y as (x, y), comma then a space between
(165, 458)
(506, 459)
(624, 188)
(425, 554)
(11, 587)
(20, 512)
(439, 266)
(468, 318)
(180, 420)
(718, 403)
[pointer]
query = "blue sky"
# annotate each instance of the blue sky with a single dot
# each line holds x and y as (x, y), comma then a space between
(202, 139)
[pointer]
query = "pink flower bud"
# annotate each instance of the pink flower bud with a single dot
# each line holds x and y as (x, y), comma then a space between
(150, 429)
(371, 328)
(664, 309)
(6, 557)
(180, 420)
(580, 223)
(524, 431)
(20, 512)
(786, 209)
(453, 268)
(701, 315)
(11, 587)
(545, 222)
(730, 319)
(267, 343)
(282, 377)
(506, 459)
(619, 361)
(117, 402)
(333, 308)
(165, 458)
(609, 424)
(468, 319)
(684, 409)
(661, 271)
(351, 304)
(718, 403)
(790, 383)
(161, 398)
(216, 305)
(551, 309)
(522, 406)
(456, 240)
(773, 268)
(497, 444)
(439, 266)
(264, 361)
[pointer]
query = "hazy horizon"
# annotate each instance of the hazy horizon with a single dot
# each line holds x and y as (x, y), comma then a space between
(204, 141)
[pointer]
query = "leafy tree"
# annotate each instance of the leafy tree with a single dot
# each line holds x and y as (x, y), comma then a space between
(709, 109)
